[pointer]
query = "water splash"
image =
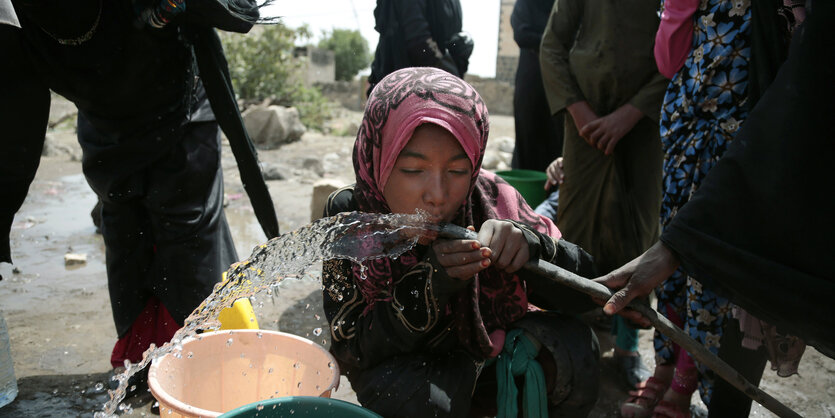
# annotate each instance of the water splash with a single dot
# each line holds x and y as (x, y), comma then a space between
(355, 236)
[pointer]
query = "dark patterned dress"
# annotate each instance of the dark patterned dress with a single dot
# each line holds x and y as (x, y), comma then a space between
(703, 108)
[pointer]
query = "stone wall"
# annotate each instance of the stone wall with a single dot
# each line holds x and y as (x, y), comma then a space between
(507, 54)
(497, 94)
(318, 65)
(349, 94)
(506, 68)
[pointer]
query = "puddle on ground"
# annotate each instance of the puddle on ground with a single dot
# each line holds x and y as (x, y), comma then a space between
(54, 220)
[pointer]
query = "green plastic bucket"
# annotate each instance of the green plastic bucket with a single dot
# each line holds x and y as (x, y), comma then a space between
(300, 406)
(529, 183)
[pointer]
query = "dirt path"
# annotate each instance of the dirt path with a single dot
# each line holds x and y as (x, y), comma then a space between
(60, 321)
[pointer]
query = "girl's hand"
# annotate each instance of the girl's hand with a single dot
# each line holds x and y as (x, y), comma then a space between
(509, 249)
(462, 258)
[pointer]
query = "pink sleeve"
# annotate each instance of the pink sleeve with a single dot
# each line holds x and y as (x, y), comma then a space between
(675, 35)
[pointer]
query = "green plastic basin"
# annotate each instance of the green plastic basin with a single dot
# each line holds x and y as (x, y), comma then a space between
(300, 406)
(529, 183)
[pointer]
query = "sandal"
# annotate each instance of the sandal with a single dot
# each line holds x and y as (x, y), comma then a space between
(666, 409)
(642, 401)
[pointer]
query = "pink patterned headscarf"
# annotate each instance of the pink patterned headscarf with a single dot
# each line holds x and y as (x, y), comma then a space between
(400, 103)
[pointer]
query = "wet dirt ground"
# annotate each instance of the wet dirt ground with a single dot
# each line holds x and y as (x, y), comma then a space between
(61, 326)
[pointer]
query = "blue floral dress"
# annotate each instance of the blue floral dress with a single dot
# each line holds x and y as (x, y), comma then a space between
(703, 108)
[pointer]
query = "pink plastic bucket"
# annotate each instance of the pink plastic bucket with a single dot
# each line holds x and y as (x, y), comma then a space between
(223, 370)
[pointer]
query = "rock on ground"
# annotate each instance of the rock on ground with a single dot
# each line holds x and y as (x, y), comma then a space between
(272, 126)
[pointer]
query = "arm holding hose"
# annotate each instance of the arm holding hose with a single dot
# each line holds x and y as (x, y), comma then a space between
(639, 276)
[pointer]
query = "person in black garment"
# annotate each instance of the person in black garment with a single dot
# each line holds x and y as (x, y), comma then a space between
(150, 142)
(538, 133)
(419, 33)
(759, 230)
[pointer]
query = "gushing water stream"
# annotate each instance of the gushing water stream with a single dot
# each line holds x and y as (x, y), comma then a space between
(354, 236)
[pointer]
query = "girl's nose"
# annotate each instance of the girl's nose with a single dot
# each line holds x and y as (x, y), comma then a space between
(435, 190)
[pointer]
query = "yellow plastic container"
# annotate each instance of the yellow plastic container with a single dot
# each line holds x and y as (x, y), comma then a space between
(223, 370)
(239, 316)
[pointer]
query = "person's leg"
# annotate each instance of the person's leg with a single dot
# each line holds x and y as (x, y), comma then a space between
(626, 355)
(539, 135)
(728, 401)
(129, 254)
(641, 403)
(25, 102)
(671, 297)
(184, 201)
(683, 383)
(707, 314)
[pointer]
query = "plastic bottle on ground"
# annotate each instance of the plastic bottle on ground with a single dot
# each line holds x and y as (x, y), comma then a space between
(8, 383)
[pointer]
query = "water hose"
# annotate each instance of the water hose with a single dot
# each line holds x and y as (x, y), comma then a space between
(661, 323)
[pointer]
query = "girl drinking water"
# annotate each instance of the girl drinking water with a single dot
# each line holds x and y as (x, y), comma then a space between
(454, 327)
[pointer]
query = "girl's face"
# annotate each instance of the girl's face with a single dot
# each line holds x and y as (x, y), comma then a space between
(432, 173)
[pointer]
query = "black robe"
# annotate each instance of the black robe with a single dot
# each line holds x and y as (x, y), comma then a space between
(760, 229)
(539, 134)
(405, 25)
(150, 144)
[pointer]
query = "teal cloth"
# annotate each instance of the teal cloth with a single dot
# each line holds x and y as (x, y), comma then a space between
(626, 337)
(518, 358)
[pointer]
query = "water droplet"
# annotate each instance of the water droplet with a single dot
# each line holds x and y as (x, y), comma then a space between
(99, 386)
(355, 236)
(259, 407)
(317, 332)
(269, 371)
(190, 354)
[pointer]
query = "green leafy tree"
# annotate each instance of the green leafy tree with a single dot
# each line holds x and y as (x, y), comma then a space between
(350, 51)
(262, 67)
